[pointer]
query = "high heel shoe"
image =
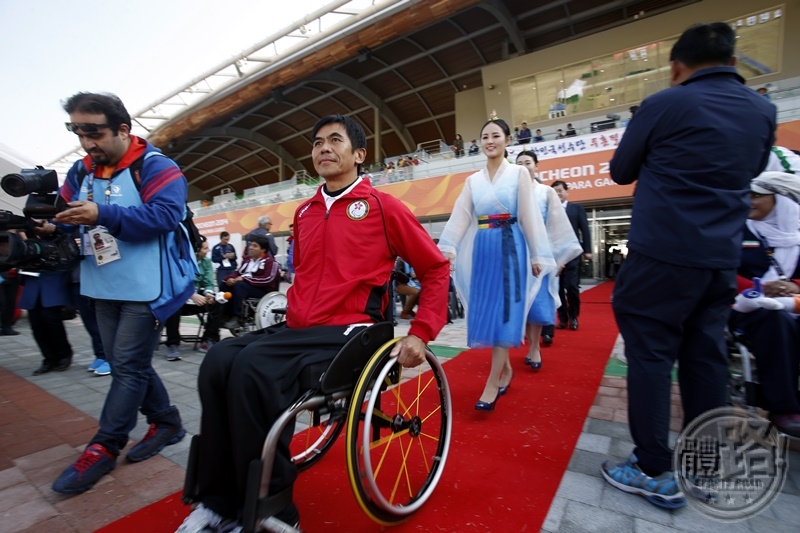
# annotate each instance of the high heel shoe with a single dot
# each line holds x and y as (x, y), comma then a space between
(502, 390)
(487, 406)
(535, 365)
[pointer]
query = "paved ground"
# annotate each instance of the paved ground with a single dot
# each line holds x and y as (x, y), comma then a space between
(46, 420)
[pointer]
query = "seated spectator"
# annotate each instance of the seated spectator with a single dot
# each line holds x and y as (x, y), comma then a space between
(570, 131)
(539, 137)
(771, 252)
(458, 145)
(257, 276)
(203, 300)
(474, 149)
(342, 271)
(559, 134)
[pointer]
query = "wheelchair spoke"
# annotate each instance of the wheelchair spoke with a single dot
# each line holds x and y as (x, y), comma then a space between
(403, 470)
(424, 456)
(388, 441)
(390, 473)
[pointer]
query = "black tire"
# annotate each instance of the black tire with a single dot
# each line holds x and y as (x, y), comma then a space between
(315, 442)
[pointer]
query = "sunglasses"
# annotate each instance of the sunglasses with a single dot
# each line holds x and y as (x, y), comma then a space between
(84, 127)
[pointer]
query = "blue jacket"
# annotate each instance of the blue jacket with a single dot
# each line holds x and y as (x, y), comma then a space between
(694, 149)
(157, 264)
(49, 289)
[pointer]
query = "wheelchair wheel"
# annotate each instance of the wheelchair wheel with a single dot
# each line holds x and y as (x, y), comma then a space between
(398, 435)
(265, 316)
(322, 432)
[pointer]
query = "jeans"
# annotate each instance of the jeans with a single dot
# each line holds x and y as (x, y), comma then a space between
(130, 337)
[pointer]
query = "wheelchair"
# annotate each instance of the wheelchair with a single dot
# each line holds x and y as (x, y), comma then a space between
(398, 429)
(259, 313)
(744, 391)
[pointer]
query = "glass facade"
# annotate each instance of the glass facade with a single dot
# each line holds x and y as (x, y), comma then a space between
(627, 77)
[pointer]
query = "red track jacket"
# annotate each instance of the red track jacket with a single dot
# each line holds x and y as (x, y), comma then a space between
(343, 260)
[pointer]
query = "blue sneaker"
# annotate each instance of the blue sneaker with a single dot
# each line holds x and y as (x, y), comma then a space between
(103, 370)
(97, 363)
(95, 462)
(154, 441)
(661, 490)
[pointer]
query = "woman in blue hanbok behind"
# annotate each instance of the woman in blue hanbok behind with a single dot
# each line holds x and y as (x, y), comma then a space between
(497, 242)
(564, 245)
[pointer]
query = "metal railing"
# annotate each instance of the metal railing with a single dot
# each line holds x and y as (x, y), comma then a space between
(297, 40)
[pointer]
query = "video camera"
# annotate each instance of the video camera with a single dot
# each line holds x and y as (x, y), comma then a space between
(56, 251)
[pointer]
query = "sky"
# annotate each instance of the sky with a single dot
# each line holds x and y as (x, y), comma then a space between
(140, 50)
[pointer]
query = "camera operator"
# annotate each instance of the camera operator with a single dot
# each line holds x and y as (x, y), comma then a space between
(44, 296)
(9, 287)
(131, 195)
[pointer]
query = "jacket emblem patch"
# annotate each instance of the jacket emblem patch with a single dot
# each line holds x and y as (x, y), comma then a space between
(357, 209)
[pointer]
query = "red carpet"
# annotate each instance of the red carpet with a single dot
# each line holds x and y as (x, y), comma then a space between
(504, 467)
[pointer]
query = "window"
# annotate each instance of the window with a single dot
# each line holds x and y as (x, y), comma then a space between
(627, 77)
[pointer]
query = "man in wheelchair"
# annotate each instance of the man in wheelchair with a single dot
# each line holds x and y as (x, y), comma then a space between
(346, 240)
(766, 314)
(258, 275)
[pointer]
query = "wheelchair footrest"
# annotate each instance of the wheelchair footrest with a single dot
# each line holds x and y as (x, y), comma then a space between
(257, 509)
(273, 504)
(190, 483)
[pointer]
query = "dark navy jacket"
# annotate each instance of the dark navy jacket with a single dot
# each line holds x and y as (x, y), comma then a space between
(694, 149)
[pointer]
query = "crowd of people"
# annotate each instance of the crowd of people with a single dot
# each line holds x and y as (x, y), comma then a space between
(522, 134)
(512, 248)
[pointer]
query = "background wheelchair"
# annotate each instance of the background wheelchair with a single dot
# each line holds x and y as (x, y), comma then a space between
(398, 430)
(743, 388)
(259, 313)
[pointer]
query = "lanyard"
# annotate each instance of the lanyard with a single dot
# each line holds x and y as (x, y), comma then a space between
(90, 192)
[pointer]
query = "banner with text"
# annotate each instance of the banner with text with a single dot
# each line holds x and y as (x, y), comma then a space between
(582, 162)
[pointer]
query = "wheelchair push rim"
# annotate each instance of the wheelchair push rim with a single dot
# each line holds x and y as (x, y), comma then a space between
(398, 436)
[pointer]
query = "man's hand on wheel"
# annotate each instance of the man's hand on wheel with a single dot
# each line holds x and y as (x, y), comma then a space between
(410, 351)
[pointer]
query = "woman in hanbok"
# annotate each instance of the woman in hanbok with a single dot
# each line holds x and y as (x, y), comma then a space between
(496, 240)
(564, 245)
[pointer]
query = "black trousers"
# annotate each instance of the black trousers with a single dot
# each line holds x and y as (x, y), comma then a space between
(668, 313)
(50, 334)
(212, 318)
(775, 339)
(8, 301)
(245, 383)
(569, 291)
